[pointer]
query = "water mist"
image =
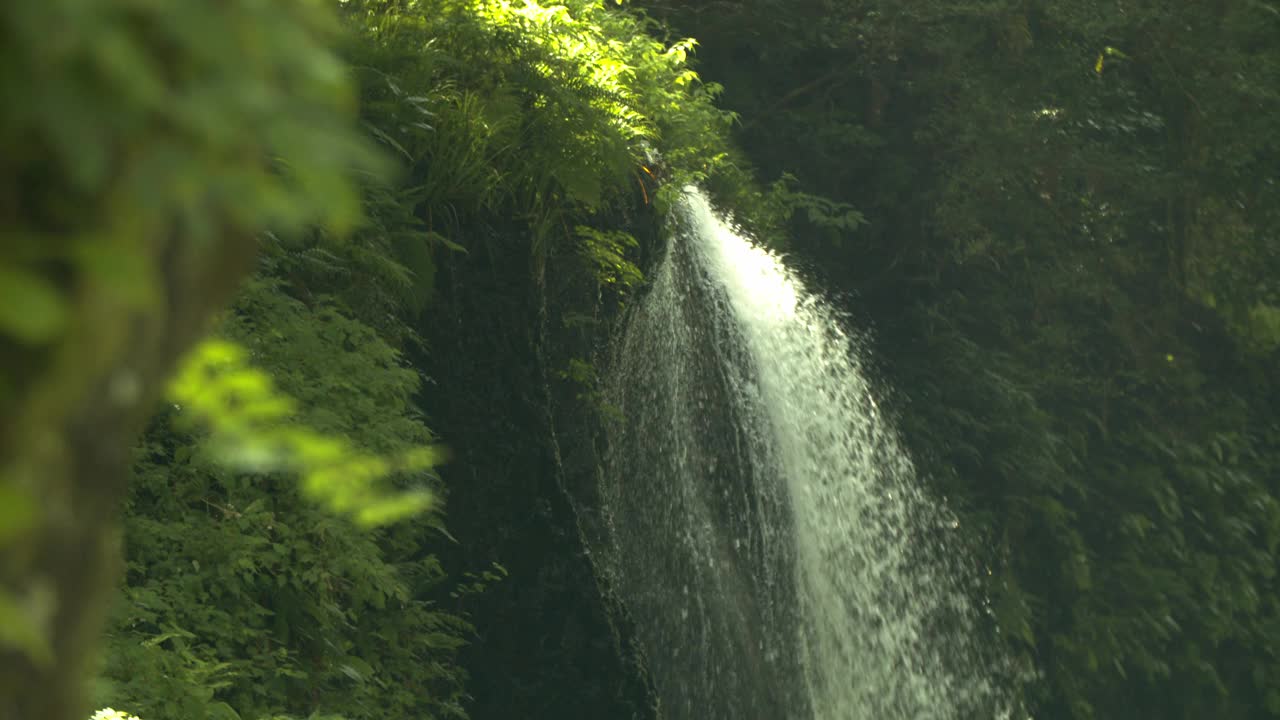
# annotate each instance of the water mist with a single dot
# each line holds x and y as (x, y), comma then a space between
(763, 526)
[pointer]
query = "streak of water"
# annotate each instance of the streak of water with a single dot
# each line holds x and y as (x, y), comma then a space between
(765, 528)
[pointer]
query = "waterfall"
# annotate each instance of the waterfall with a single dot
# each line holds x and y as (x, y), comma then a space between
(761, 523)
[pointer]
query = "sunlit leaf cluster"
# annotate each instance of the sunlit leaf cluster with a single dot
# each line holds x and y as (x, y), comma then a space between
(556, 115)
(249, 428)
(250, 593)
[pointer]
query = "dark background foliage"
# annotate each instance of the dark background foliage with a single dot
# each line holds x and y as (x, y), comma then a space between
(1069, 267)
(1056, 220)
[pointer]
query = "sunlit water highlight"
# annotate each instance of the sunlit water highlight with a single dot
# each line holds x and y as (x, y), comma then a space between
(762, 524)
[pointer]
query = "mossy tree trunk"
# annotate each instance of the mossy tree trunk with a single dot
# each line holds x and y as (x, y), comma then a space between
(65, 452)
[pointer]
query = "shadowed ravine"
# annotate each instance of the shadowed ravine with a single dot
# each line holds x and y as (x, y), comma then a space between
(764, 528)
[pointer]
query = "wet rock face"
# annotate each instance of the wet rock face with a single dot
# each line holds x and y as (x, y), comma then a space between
(552, 642)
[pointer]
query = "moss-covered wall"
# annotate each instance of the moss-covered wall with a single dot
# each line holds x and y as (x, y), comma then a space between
(551, 640)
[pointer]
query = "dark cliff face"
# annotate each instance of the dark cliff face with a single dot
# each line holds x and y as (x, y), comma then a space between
(551, 641)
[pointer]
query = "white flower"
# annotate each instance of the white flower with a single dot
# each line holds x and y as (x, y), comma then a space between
(110, 714)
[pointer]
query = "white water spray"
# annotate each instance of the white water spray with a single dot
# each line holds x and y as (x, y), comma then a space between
(763, 525)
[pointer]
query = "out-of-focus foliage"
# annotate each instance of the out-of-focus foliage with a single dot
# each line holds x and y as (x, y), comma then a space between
(142, 146)
(249, 430)
(1070, 265)
(124, 120)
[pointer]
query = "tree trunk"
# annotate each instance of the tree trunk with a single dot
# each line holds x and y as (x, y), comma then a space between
(65, 446)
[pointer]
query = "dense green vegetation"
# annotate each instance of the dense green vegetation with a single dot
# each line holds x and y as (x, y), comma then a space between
(1072, 272)
(185, 140)
(1059, 220)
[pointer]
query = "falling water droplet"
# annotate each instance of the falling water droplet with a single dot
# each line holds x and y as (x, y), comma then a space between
(730, 363)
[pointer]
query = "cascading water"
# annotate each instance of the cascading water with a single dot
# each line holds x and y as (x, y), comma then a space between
(762, 524)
